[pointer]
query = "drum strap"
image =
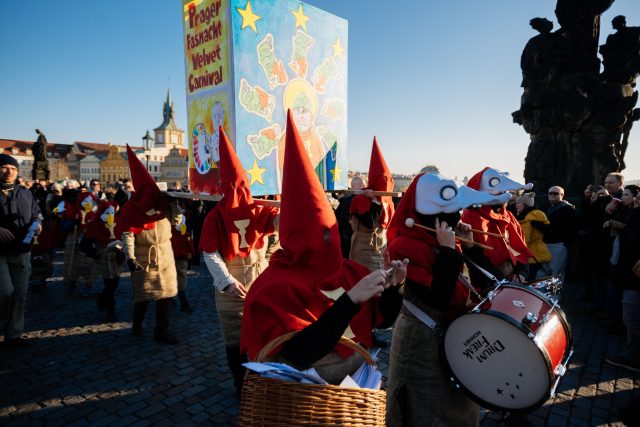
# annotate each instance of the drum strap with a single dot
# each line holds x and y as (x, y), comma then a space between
(420, 315)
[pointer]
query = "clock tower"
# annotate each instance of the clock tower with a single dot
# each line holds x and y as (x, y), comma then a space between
(168, 135)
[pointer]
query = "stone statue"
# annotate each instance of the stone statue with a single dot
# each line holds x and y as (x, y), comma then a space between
(578, 119)
(39, 149)
(40, 168)
(620, 53)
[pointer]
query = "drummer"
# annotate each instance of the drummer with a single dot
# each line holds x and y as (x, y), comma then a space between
(435, 293)
(510, 255)
(308, 286)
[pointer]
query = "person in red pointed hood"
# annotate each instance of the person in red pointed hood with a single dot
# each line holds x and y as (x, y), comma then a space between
(233, 243)
(144, 225)
(147, 205)
(309, 287)
(370, 215)
(435, 293)
(99, 243)
(510, 253)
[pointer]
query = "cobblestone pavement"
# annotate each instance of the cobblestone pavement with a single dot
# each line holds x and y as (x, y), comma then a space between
(81, 371)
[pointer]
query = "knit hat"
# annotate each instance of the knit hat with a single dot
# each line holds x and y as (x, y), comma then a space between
(6, 159)
(527, 199)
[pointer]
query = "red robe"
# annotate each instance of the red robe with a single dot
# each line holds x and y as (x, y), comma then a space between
(512, 248)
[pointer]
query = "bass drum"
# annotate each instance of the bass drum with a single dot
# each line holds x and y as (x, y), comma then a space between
(509, 352)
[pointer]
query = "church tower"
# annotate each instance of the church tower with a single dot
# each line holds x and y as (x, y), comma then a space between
(168, 135)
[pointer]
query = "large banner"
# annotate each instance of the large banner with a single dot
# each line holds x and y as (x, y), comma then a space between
(247, 63)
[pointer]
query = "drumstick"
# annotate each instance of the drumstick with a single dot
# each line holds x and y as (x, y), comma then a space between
(269, 203)
(410, 222)
(375, 193)
(488, 233)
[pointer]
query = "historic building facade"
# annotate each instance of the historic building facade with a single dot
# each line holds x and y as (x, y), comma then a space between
(85, 161)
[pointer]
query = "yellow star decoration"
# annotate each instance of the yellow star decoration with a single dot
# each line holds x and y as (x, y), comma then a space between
(256, 173)
(248, 17)
(338, 50)
(334, 295)
(301, 18)
(335, 174)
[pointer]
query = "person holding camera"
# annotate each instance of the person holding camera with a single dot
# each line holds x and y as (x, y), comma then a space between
(597, 241)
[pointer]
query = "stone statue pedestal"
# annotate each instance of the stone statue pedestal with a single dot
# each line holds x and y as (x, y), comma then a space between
(40, 170)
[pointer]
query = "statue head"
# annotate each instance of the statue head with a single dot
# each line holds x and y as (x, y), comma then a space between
(38, 131)
(619, 22)
(541, 25)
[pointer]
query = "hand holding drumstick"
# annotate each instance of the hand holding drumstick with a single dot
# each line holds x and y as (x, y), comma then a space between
(444, 229)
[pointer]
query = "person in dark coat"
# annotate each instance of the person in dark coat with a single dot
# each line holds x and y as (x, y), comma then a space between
(20, 220)
(627, 275)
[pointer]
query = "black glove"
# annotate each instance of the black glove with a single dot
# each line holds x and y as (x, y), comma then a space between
(134, 265)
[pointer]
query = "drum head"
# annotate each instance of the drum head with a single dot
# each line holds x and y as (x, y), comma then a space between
(496, 363)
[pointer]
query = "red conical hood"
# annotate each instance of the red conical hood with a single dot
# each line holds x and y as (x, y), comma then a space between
(304, 277)
(140, 176)
(232, 174)
(308, 227)
(147, 205)
(380, 178)
(236, 225)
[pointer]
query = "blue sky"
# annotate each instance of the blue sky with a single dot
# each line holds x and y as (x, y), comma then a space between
(436, 82)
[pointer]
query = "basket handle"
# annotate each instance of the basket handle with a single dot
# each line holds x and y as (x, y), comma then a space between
(268, 348)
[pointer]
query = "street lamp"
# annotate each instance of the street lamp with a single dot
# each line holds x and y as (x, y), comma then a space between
(147, 143)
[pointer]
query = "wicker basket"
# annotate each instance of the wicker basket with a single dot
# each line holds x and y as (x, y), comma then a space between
(272, 402)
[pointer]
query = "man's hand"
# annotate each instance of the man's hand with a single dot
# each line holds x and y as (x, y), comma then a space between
(445, 235)
(398, 274)
(464, 230)
(236, 289)
(6, 235)
(368, 287)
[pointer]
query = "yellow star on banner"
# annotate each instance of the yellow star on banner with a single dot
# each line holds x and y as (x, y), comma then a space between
(338, 50)
(248, 17)
(256, 173)
(335, 174)
(334, 295)
(301, 18)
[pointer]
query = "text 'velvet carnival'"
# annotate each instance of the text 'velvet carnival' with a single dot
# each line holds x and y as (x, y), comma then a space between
(203, 47)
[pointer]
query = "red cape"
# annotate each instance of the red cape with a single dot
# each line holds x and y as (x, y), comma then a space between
(236, 213)
(501, 222)
(288, 296)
